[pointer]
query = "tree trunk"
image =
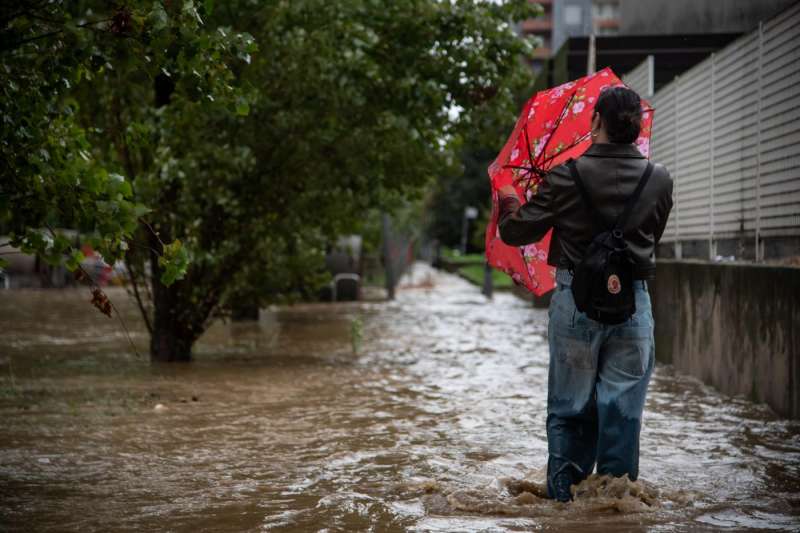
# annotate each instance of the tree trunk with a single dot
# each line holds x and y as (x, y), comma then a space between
(172, 337)
(173, 333)
(175, 323)
(168, 345)
(242, 312)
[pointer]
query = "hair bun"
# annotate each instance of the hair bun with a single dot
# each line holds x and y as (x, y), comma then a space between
(620, 109)
(630, 116)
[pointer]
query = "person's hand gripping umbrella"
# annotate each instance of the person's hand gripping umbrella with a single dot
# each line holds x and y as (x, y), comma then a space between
(555, 126)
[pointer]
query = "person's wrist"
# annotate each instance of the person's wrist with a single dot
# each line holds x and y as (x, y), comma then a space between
(506, 191)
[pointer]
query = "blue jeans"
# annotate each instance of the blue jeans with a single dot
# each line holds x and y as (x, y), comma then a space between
(597, 383)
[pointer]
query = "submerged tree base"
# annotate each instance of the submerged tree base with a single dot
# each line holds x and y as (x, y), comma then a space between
(166, 346)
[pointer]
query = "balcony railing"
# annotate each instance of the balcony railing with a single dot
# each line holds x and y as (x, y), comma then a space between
(537, 25)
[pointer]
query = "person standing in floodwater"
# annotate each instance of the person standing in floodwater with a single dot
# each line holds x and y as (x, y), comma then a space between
(598, 373)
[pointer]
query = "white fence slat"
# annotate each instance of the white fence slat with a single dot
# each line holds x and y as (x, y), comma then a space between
(728, 130)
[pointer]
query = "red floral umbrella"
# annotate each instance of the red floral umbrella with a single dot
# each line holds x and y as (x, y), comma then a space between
(555, 125)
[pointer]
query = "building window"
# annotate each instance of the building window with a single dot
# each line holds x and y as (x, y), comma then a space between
(605, 10)
(573, 15)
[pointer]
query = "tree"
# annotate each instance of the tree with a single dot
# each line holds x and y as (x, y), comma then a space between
(253, 162)
(341, 77)
(54, 174)
(466, 183)
(82, 116)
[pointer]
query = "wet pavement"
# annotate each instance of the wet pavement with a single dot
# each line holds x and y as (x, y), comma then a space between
(422, 414)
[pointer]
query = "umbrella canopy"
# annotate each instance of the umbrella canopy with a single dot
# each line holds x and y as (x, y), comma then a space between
(555, 125)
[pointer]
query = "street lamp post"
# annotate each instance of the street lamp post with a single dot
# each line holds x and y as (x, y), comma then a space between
(470, 213)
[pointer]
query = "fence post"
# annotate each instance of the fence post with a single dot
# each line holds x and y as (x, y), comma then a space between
(712, 245)
(488, 282)
(677, 178)
(388, 260)
(470, 213)
(758, 252)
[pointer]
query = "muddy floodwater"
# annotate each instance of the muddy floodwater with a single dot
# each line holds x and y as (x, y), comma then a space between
(422, 414)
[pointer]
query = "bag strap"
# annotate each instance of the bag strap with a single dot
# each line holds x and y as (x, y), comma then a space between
(587, 201)
(629, 205)
(623, 218)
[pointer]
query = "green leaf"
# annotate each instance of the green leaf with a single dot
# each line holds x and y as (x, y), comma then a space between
(119, 185)
(242, 107)
(174, 262)
(158, 17)
(74, 260)
(140, 210)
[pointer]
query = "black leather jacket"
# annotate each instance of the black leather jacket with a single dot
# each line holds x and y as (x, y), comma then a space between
(610, 173)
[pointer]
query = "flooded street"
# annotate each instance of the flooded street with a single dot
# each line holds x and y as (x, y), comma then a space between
(422, 414)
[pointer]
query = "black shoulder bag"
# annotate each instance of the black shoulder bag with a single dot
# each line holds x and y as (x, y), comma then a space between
(602, 284)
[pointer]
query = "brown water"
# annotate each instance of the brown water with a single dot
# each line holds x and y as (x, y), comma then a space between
(435, 424)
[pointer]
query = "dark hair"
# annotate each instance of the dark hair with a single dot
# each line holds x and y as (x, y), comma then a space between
(620, 110)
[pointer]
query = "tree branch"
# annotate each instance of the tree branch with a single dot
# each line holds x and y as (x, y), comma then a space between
(27, 10)
(17, 44)
(142, 308)
(155, 234)
(96, 286)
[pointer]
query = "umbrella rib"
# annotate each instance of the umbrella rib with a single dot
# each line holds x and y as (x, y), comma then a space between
(528, 143)
(536, 166)
(532, 168)
(558, 122)
(576, 143)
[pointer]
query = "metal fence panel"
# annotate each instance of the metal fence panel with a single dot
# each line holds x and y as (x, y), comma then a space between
(663, 143)
(641, 78)
(779, 155)
(729, 132)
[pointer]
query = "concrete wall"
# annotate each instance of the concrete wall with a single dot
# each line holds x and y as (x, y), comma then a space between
(662, 17)
(734, 326)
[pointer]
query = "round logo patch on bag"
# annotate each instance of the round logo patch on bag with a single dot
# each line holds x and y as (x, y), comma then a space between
(614, 286)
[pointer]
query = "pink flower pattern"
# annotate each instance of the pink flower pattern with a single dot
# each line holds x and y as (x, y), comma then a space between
(531, 251)
(565, 136)
(643, 144)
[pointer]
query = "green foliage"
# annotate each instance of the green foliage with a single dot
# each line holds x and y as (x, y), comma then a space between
(222, 168)
(454, 256)
(457, 189)
(466, 182)
(61, 60)
(475, 273)
(356, 334)
(353, 114)
(173, 261)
